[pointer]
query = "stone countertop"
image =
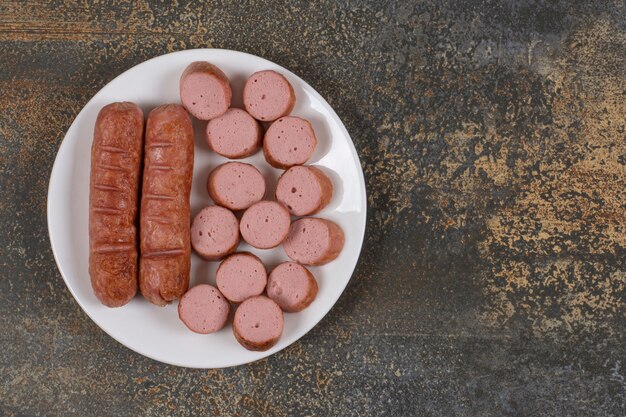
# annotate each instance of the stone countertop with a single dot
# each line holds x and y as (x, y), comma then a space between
(492, 280)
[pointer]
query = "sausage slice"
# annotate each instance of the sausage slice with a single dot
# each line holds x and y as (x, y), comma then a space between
(241, 276)
(268, 95)
(289, 141)
(292, 287)
(236, 185)
(164, 228)
(265, 224)
(314, 241)
(214, 233)
(304, 190)
(116, 155)
(258, 323)
(205, 90)
(235, 134)
(203, 309)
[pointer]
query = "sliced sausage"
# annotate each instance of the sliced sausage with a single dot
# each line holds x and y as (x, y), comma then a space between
(235, 134)
(268, 95)
(214, 233)
(205, 90)
(241, 276)
(289, 141)
(164, 229)
(258, 323)
(313, 241)
(236, 185)
(114, 202)
(203, 309)
(265, 224)
(292, 287)
(304, 190)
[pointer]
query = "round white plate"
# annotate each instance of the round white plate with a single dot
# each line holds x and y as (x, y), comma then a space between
(157, 332)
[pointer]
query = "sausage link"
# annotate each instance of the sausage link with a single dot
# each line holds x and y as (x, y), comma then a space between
(164, 229)
(116, 155)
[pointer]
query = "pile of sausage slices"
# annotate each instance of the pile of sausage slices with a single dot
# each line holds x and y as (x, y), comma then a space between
(139, 215)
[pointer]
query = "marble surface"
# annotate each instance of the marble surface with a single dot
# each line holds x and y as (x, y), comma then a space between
(492, 280)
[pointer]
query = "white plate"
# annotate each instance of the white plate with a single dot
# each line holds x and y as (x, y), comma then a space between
(157, 332)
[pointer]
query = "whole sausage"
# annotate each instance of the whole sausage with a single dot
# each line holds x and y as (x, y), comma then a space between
(114, 201)
(164, 229)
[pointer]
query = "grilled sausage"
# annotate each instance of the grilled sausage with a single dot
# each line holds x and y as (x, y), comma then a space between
(113, 202)
(164, 229)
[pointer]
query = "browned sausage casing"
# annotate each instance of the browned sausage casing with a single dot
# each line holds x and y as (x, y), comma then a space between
(114, 201)
(164, 229)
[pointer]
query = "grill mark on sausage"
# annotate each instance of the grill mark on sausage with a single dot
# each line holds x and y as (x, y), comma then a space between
(158, 219)
(163, 253)
(160, 145)
(113, 149)
(112, 167)
(107, 210)
(114, 201)
(106, 187)
(159, 197)
(164, 211)
(114, 248)
(160, 167)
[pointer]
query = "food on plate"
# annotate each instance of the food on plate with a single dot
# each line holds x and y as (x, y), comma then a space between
(205, 90)
(258, 323)
(116, 155)
(304, 190)
(265, 224)
(203, 309)
(314, 241)
(164, 220)
(235, 134)
(140, 233)
(292, 287)
(289, 141)
(214, 233)
(241, 276)
(236, 185)
(268, 95)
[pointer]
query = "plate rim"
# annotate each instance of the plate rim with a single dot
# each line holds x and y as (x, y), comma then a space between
(362, 189)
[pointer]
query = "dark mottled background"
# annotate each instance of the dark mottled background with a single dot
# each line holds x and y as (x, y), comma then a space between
(492, 280)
